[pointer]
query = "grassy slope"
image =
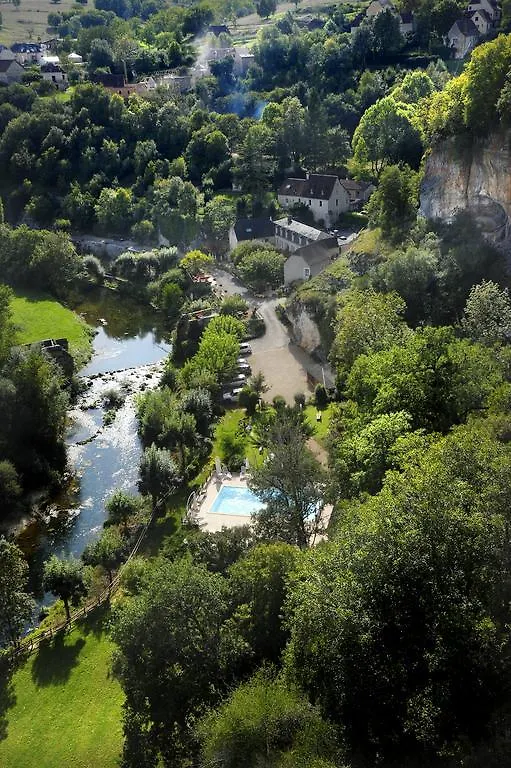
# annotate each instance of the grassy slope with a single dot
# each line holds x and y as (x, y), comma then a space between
(37, 317)
(68, 707)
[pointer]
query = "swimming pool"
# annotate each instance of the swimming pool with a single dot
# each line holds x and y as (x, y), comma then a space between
(235, 500)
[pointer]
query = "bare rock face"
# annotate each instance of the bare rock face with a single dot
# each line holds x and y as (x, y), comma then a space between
(474, 178)
(304, 329)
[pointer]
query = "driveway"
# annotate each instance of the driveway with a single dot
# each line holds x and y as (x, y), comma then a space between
(285, 365)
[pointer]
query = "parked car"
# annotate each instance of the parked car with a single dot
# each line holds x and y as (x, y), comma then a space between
(245, 348)
(238, 381)
(244, 368)
(231, 397)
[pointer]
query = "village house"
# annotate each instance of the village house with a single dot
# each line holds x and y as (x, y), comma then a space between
(406, 18)
(6, 54)
(321, 193)
(55, 74)
(310, 260)
(490, 7)
(462, 37)
(243, 60)
(291, 235)
(10, 71)
(482, 21)
(359, 192)
(28, 53)
(260, 229)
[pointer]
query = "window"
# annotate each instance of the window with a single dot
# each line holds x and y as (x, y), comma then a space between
(310, 202)
(321, 203)
(337, 203)
(306, 273)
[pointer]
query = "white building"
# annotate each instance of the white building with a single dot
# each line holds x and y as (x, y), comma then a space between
(322, 194)
(462, 37)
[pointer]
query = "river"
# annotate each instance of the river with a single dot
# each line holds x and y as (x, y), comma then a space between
(129, 351)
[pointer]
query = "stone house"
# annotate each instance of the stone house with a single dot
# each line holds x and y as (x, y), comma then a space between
(359, 192)
(28, 53)
(462, 37)
(243, 60)
(10, 71)
(261, 229)
(321, 193)
(310, 260)
(6, 54)
(490, 7)
(482, 21)
(290, 235)
(55, 74)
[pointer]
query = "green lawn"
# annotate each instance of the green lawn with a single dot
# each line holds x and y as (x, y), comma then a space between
(66, 707)
(30, 21)
(38, 317)
(320, 427)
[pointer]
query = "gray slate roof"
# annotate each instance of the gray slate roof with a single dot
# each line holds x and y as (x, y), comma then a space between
(466, 27)
(317, 253)
(311, 233)
(317, 186)
(251, 229)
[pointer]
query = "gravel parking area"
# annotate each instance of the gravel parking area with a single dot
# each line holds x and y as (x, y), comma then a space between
(285, 366)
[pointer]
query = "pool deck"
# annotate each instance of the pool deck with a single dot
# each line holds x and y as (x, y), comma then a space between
(211, 521)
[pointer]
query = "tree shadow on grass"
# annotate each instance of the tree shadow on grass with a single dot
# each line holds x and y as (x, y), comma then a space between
(97, 622)
(7, 694)
(55, 660)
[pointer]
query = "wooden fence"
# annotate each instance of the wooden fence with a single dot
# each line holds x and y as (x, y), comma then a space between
(29, 644)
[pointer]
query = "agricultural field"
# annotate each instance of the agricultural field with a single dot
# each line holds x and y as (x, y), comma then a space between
(29, 21)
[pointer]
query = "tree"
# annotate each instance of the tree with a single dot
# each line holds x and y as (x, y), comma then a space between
(218, 550)
(219, 216)
(290, 483)
(267, 722)
(262, 269)
(266, 8)
(176, 656)
(158, 475)
(114, 209)
(65, 578)
(101, 55)
(393, 206)
(487, 316)
(10, 488)
(195, 262)
(412, 679)
(388, 132)
(16, 605)
(366, 321)
(416, 85)
(108, 552)
(259, 583)
(385, 34)
(121, 507)
(413, 274)
(435, 377)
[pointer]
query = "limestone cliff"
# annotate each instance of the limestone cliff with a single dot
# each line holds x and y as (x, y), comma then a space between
(474, 177)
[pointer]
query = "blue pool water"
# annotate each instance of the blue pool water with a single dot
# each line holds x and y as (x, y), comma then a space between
(235, 501)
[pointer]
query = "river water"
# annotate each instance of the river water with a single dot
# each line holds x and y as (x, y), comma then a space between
(129, 351)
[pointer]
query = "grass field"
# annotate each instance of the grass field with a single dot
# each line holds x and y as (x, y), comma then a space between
(29, 22)
(65, 706)
(37, 317)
